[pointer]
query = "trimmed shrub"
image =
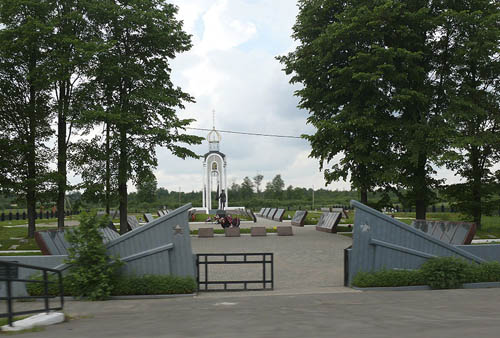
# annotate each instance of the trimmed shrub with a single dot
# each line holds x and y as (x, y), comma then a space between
(124, 286)
(446, 272)
(385, 278)
(438, 273)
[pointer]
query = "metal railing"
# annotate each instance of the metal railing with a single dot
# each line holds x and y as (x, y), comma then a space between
(206, 260)
(9, 273)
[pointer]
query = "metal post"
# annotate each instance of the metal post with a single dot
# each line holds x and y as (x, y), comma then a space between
(264, 284)
(9, 298)
(272, 271)
(46, 290)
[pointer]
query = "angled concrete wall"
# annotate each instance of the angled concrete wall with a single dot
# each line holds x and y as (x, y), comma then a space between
(382, 242)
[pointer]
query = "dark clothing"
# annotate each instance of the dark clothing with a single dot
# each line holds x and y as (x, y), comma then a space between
(222, 199)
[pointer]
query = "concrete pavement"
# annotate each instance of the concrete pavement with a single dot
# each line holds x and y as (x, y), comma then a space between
(419, 314)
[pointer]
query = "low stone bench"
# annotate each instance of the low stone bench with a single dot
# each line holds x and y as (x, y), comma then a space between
(258, 231)
(206, 232)
(284, 230)
(232, 232)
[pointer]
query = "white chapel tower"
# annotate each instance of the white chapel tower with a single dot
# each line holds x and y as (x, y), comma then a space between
(214, 172)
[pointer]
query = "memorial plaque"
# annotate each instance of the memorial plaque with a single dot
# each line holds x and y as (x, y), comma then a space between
(342, 211)
(148, 217)
(299, 218)
(325, 209)
(447, 231)
(266, 212)
(160, 213)
(328, 222)
(132, 222)
(278, 216)
(271, 213)
(261, 211)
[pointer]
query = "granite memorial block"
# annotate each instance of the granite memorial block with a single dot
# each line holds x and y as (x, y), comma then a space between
(284, 230)
(447, 231)
(278, 216)
(258, 231)
(328, 222)
(342, 212)
(299, 218)
(271, 213)
(132, 222)
(148, 217)
(232, 232)
(206, 232)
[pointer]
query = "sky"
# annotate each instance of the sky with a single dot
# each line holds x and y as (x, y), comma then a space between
(232, 69)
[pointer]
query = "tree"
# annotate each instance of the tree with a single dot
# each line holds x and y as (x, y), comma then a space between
(277, 185)
(24, 100)
(72, 46)
(372, 75)
(474, 110)
(246, 189)
(342, 79)
(146, 186)
(134, 83)
(258, 181)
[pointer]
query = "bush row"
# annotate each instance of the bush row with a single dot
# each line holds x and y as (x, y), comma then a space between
(438, 273)
(123, 286)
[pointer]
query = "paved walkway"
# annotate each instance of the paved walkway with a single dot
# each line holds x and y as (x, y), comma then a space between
(308, 260)
(416, 314)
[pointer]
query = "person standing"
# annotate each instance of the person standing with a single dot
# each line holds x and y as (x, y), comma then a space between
(222, 200)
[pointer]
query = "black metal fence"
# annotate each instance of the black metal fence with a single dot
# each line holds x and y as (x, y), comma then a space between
(22, 215)
(204, 261)
(9, 273)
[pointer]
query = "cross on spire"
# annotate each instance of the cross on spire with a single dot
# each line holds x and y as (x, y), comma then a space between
(213, 118)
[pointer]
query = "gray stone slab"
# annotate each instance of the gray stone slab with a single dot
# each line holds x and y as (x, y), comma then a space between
(206, 232)
(328, 222)
(148, 217)
(278, 216)
(284, 230)
(342, 212)
(447, 231)
(271, 213)
(132, 222)
(258, 231)
(299, 218)
(232, 232)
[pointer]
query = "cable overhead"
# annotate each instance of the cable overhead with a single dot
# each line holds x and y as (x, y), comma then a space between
(245, 133)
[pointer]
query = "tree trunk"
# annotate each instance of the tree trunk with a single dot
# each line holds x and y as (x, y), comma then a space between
(31, 165)
(61, 154)
(477, 175)
(420, 188)
(364, 196)
(108, 170)
(122, 180)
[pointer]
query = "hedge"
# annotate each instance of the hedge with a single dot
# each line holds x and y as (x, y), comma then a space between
(438, 273)
(125, 286)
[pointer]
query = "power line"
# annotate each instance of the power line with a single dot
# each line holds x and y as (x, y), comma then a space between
(245, 133)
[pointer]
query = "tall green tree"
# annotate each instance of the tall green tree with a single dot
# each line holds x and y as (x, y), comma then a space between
(258, 181)
(133, 75)
(340, 64)
(246, 189)
(146, 186)
(373, 84)
(24, 99)
(474, 110)
(72, 47)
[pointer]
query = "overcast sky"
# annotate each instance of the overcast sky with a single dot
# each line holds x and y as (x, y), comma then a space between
(232, 69)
